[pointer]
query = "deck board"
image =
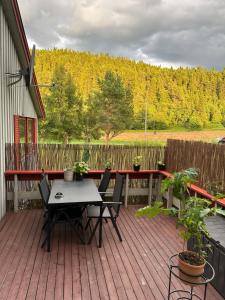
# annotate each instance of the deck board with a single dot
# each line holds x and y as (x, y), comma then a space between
(134, 269)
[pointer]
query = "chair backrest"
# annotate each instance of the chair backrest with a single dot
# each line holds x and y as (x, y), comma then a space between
(44, 190)
(117, 192)
(104, 183)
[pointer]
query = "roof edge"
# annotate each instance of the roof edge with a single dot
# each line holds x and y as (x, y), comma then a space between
(20, 41)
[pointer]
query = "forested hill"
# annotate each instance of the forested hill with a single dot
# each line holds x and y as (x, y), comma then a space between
(191, 97)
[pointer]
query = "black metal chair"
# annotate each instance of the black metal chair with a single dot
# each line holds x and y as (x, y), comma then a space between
(111, 209)
(45, 191)
(104, 184)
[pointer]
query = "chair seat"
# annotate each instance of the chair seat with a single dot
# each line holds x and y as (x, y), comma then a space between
(94, 212)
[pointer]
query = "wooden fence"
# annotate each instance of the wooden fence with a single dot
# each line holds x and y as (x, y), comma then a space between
(179, 155)
(58, 157)
(208, 158)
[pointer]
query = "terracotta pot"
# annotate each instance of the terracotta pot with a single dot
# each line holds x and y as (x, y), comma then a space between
(68, 175)
(192, 270)
(136, 168)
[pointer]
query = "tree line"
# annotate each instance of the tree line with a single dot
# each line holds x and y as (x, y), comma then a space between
(189, 97)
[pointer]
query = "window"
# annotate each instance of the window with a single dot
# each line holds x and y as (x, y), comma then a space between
(22, 130)
(30, 131)
(25, 130)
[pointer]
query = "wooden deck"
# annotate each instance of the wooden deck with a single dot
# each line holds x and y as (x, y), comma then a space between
(133, 269)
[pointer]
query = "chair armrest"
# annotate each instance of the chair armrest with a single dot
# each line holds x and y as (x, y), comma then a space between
(105, 193)
(110, 203)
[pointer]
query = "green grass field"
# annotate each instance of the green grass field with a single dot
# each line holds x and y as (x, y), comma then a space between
(153, 138)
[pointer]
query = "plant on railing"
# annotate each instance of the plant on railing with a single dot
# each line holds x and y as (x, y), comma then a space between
(191, 217)
(137, 162)
(81, 167)
(180, 182)
(108, 165)
(161, 165)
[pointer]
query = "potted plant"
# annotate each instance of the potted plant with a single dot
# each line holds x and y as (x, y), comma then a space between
(191, 218)
(180, 183)
(68, 174)
(137, 163)
(108, 165)
(80, 168)
(161, 165)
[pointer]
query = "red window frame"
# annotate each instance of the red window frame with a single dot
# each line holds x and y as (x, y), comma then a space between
(17, 136)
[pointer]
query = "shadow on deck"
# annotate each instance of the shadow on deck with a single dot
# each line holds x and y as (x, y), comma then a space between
(134, 269)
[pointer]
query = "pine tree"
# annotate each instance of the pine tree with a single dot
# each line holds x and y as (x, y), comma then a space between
(114, 102)
(63, 108)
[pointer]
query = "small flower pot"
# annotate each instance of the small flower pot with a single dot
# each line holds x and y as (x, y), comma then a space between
(161, 167)
(78, 177)
(68, 175)
(136, 167)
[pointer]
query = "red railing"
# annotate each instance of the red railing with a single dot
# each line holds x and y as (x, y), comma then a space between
(95, 174)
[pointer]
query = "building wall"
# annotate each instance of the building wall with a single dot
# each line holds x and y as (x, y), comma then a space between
(13, 100)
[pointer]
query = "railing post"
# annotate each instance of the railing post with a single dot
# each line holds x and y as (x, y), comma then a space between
(159, 194)
(15, 193)
(150, 189)
(126, 189)
(170, 198)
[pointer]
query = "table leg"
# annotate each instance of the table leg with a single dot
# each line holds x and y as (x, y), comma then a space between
(100, 226)
(205, 291)
(49, 229)
(169, 284)
(191, 294)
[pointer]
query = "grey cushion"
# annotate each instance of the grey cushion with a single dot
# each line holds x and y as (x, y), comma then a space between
(94, 212)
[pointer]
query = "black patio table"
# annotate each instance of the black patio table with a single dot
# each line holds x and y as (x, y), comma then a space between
(80, 193)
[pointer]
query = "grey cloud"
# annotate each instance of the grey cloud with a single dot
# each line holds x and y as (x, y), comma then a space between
(188, 32)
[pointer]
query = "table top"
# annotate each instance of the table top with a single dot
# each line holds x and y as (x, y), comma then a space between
(75, 192)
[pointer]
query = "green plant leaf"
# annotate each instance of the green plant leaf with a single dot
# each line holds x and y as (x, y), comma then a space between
(220, 211)
(204, 212)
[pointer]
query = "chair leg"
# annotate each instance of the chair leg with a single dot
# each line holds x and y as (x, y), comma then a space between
(106, 220)
(44, 225)
(73, 227)
(48, 235)
(114, 224)
(116, 228)
(79, 224)
(93, 232)
(88, 223)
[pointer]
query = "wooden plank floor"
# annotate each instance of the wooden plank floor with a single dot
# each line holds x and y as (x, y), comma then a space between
(134, 269)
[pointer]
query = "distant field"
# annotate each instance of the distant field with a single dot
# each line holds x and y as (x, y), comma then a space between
(162, 136)
(138, 137)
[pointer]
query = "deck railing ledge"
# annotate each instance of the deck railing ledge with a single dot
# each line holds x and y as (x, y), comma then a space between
(34, 175)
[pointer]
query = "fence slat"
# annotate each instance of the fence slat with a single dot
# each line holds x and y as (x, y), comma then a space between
(208, 158)
(58, 156)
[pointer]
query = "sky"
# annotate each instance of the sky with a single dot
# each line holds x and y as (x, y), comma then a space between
(160, 32)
